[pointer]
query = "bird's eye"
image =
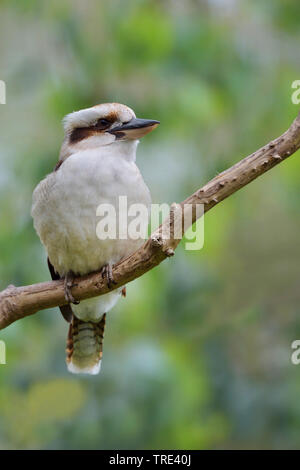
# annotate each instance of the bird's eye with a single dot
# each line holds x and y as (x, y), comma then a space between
(103, 122)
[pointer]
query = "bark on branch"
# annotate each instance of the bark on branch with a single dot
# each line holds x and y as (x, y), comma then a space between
(19, 302)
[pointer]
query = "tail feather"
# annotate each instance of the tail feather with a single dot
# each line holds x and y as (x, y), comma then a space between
(84, 346)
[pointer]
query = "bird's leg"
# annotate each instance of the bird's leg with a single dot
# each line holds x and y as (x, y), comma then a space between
(123, 292)
(69, 283)
(106, 273)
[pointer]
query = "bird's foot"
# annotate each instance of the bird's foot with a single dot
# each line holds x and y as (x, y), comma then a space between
(106, 273)
(123, 292)
(69, 283)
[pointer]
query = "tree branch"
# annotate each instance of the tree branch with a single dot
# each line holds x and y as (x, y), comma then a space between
(19, 302)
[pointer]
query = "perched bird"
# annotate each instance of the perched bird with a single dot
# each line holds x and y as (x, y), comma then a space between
(96, 166)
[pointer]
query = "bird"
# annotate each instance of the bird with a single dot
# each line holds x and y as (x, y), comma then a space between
(96, 166)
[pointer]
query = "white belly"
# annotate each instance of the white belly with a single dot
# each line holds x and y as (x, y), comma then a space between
(64, 212)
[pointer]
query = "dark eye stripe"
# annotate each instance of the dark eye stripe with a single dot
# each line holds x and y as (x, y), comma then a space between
(81, 133)
(103, 123)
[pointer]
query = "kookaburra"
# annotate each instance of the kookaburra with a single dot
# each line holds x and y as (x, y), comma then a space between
(96, 166)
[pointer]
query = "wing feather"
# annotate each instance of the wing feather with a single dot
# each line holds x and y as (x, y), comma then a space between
(66, 310)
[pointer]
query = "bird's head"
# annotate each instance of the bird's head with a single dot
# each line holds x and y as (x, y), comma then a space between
(102, 125)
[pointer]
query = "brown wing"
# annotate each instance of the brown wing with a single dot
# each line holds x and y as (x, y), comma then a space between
(66, 310)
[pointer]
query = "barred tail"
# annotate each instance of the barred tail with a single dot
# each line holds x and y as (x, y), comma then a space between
(84, 346)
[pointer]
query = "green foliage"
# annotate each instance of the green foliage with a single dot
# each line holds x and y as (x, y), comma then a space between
(30, 418)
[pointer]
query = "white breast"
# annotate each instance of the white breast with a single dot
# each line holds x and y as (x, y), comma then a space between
(65, 204)
(64, 212)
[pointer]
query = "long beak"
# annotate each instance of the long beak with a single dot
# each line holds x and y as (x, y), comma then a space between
(134, 129)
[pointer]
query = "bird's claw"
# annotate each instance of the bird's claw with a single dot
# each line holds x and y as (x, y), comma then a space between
(106, 273)
(69, 283)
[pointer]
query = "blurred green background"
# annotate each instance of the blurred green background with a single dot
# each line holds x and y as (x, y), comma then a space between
(198, 354)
